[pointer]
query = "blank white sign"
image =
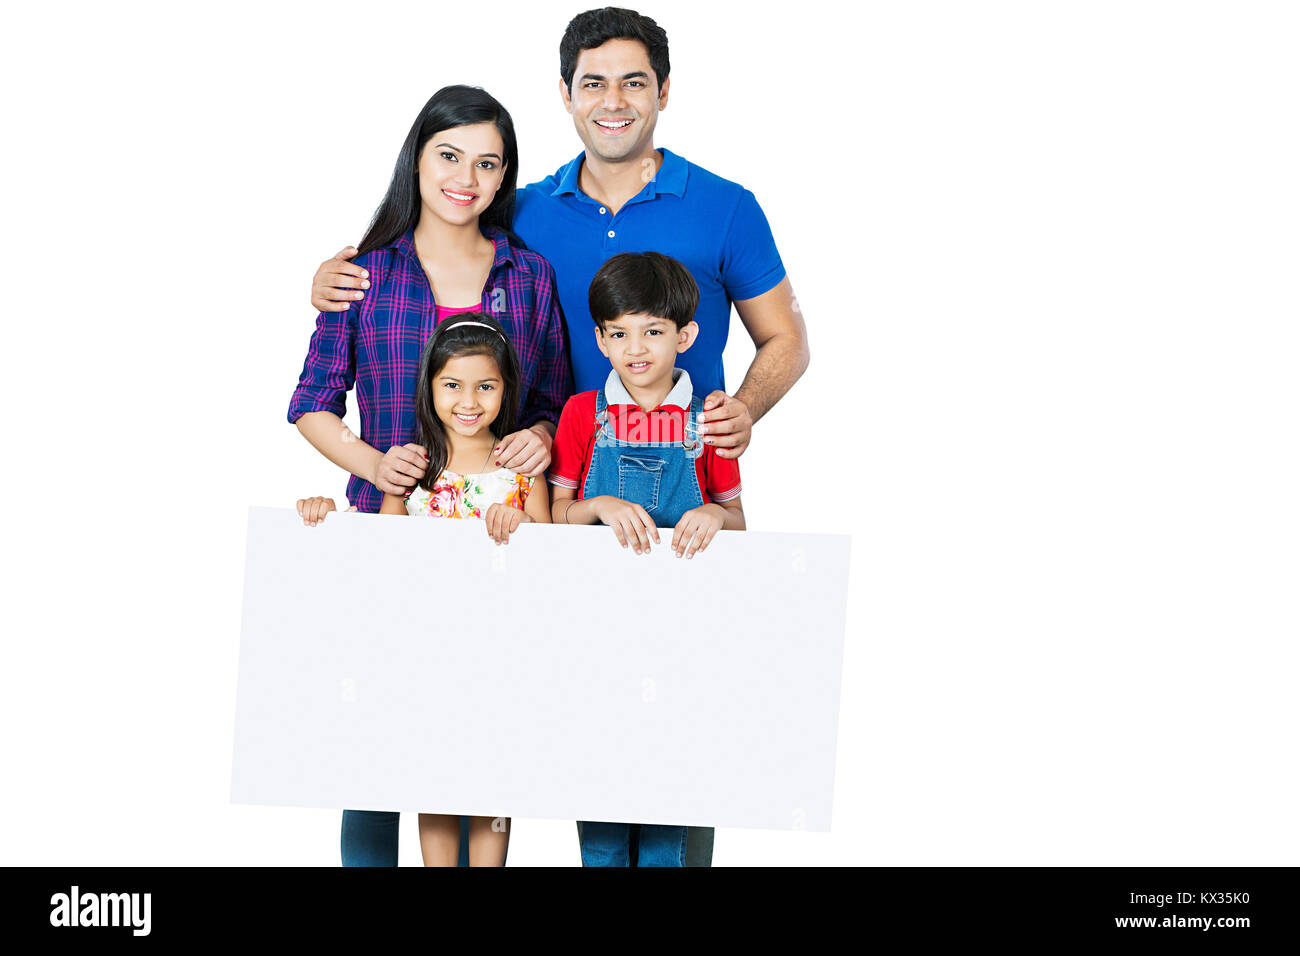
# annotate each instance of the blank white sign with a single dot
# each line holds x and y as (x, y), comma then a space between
(391, 664)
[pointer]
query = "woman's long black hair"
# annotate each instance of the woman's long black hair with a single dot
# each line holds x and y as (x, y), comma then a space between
(452, 340)
(451, 106)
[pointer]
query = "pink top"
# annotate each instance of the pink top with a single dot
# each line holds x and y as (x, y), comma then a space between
(442, 311)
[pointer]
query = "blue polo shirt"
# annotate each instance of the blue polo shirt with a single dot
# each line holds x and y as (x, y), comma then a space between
(711, 225)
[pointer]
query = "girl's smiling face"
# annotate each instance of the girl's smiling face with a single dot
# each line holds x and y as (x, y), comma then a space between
(467, 394)
(460, 171)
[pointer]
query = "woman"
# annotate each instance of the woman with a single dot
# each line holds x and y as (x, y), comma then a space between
(440, 243)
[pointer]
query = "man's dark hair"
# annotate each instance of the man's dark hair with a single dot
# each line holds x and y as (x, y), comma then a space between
(633, 283)
(589, 30)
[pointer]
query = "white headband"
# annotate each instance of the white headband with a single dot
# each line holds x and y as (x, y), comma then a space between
(482, 325)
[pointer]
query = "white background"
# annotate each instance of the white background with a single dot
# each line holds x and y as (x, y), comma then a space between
(1047, 256)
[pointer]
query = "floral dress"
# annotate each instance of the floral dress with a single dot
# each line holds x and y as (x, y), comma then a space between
(469, 496)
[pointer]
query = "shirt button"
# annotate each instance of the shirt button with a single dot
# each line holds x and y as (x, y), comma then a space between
(611, 234)
(602, 210)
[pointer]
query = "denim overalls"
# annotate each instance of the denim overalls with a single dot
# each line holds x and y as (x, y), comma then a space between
(659, 476)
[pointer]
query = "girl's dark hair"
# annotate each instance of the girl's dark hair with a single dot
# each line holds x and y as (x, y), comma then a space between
(452, 340)
(594, 28)
(632, 283)
(451, 106)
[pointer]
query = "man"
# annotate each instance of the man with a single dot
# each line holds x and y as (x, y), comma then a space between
(624, 195)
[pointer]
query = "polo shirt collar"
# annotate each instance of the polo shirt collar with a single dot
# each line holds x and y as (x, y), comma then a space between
(671, 177)
(616, 392)
(502, 252)
(568, 177)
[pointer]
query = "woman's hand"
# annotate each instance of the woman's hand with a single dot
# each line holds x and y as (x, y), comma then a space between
(630, 522)
(502, 521)
(400, 468)
(333, 288)
(314, 510)
(524, 452)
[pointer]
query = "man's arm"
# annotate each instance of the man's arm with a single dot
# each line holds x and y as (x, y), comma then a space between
(776, 325)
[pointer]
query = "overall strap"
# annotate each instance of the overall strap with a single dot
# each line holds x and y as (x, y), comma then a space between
(691, 427)
(601, 420)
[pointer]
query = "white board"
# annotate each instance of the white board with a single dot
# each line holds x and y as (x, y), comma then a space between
(393, 664)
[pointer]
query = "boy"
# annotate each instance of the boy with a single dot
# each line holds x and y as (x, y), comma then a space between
(629, 456)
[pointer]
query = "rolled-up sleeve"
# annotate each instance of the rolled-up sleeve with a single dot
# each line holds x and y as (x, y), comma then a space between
(554, 383)
(329, 372)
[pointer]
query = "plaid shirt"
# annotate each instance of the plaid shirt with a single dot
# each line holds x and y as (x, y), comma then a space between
(376, 345)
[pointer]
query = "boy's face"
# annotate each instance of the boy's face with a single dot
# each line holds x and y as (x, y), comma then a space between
(467, 394)
(643, 348)
(615, 102)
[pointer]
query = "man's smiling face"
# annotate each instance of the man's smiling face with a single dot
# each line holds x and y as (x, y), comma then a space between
(615, 100)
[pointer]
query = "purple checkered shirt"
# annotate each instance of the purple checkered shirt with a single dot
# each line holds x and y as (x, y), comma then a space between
(376, 345)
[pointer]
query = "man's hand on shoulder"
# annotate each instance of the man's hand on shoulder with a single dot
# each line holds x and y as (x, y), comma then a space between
(337, 283)
(728, 425)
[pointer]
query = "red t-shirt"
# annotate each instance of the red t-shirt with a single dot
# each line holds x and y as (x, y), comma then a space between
(575, 437)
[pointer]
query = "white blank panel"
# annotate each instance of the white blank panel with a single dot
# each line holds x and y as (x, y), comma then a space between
(397, 664)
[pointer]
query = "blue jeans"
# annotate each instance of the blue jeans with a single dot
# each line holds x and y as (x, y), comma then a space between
(699, 845)
(608, 844)
(369, 838)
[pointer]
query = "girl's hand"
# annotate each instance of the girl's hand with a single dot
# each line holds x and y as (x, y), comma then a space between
(630, 522)
(314, 510)
(696, 529)
(502, 520)
(400, 468)
(523, 452)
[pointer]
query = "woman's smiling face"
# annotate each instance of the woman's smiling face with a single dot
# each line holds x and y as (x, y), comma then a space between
(467, 393)
(460, 171)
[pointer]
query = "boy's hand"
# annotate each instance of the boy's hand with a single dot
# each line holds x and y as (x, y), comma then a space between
(502, 520)
(333, 287)
(630, 522)
(696, 529)
(314, 510)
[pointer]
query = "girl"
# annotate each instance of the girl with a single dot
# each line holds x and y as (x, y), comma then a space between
(440, 243)
(464, 402)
